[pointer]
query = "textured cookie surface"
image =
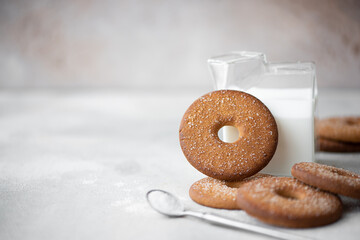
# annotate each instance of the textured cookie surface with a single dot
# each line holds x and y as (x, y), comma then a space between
(332, 179)
(216, 193)
(346, 129)
(205, 151)
(287, 202)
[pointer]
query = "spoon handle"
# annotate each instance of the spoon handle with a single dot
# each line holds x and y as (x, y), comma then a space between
(217, 220)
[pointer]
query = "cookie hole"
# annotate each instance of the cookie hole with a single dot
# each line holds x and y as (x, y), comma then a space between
(351, 122)
(287, 194)
(229, 134)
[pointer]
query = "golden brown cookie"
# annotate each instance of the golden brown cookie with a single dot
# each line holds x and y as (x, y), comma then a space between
(228, 161)
(345, 129)
(216, 193)
(287, 202)
(328, 145)
(332, 179)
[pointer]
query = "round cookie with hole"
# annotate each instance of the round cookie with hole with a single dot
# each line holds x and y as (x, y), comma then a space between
(251, 152)
(329, 178)
(217, 193)
(344, 129)
(287, 202)
(328, 145)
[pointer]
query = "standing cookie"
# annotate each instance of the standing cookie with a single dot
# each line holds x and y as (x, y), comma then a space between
(228, 161)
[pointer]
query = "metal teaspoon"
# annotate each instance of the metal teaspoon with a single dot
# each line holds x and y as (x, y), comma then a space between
(169, 205)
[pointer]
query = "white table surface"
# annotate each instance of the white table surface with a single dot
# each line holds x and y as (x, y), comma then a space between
(76, 164)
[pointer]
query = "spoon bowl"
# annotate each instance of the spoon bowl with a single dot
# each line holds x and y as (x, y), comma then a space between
(165, 203)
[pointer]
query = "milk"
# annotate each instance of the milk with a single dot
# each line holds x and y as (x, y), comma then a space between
(295, 122)
(288, 90)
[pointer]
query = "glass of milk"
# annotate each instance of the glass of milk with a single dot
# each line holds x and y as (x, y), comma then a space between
(288, 89)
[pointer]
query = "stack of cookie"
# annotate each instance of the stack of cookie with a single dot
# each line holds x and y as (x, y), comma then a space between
(338, 134)
(234, 181)
(308, 200)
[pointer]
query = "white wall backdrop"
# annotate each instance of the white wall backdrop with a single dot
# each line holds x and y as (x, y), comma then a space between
(158, 43)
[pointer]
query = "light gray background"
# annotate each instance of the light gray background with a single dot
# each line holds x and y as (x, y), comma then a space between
(76, 163)
(158, 43)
